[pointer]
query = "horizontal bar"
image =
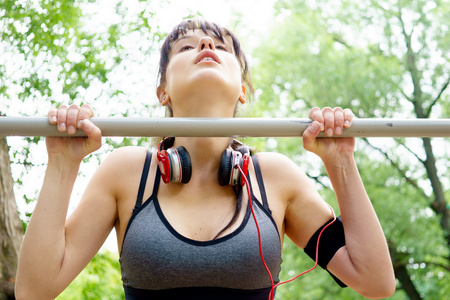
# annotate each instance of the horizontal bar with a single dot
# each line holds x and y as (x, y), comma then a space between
(227, 127)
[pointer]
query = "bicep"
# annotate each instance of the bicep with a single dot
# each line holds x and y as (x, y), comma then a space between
(306, 211)
(90, 223)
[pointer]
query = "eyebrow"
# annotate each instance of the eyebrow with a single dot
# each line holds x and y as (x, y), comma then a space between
(188, 36)
(184, 37)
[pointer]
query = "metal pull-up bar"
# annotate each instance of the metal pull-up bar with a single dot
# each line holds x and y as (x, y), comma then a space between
(227, 127)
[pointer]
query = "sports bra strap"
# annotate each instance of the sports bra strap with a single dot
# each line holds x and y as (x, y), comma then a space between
(143, 182)
(260, 180)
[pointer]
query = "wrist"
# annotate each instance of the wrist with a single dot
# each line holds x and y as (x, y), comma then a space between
(341, 160)
(61, 164)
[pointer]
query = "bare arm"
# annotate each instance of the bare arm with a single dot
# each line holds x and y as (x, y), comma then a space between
(52, 253)
(364, 263)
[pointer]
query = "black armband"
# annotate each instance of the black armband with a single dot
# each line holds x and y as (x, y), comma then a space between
(331, 240)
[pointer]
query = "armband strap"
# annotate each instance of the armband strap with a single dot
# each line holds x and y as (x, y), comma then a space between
(331, 240)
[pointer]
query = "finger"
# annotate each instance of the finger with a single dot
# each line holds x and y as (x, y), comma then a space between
(328, 116)
(85, 112)
(62, 118)
(93, 133)
(72, 118)
(310, 134)
(53, 115)
(316, 115)
(338, 120)
(348, 117)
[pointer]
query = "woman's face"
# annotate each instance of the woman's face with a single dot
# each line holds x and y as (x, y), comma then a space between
(202, 71)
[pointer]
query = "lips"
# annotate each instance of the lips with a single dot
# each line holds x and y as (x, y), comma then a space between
(207, 55)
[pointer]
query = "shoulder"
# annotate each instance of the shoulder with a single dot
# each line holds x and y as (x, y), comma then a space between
(272, 159)
(122, 162)
(124, 156)
(282, 174)
(278, 166)
(119, 173)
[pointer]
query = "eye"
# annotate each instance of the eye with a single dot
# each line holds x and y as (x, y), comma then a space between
(221, 47)
(186, 47)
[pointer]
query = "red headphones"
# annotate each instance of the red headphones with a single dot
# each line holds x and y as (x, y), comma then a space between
(175, 164)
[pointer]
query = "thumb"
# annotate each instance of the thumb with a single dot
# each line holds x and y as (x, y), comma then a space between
(93, 133)
(310, 134)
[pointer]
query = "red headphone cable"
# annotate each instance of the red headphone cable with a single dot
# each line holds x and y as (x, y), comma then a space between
(273, 287)
(257, 227)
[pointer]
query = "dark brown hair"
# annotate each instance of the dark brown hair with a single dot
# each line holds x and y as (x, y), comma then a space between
(207, 27)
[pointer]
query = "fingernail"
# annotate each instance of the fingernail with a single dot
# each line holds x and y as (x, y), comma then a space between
(79, 124)
(346, 123)
(62, 127)
(338, 130)
(314, 127)
(321, 127)
(329, 132)
(54, 119)
(71, 130)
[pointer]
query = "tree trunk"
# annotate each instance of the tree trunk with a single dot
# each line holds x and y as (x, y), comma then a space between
(407, 285)
(401, 272)
(11, 230)
(439, 205)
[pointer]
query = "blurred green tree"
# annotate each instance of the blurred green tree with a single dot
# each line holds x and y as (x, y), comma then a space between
(381, 59)
(55, 52)
(99, 280)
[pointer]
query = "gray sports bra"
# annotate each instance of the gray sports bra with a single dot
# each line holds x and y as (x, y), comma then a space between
(157, 261)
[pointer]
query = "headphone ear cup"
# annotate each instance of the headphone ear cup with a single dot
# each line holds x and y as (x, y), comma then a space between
(186, 166)
(164, 165)
(225, 168)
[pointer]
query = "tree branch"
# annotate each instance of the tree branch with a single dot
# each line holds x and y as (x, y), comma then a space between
(340, 40)
(399, 169)
(410, 151)
(432, 263)
(317, 179)
(444, 87)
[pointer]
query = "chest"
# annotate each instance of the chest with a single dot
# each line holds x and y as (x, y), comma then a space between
(155, 255)
(202, 214)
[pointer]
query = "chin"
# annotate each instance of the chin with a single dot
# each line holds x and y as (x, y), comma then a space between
(212, 85)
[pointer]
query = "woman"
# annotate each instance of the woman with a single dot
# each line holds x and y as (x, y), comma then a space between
(195, 235)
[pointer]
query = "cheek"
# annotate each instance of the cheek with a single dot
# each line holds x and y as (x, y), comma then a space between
(174, 72)
(237, 74)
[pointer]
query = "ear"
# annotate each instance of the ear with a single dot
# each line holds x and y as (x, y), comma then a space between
(162, 96)
(242, 95)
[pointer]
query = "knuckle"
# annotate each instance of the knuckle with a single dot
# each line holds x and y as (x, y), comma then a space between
(348, 111)
(314, 111)
(73, 107)
(86, 111)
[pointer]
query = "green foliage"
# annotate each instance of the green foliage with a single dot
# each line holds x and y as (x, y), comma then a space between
(381, 59)
(64, 52)
(99, 280)
(42, 37)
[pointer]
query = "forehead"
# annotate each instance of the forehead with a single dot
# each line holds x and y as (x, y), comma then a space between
(196, 34)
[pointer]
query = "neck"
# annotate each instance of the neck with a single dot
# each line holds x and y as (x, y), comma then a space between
(205, 154)
(206, 105)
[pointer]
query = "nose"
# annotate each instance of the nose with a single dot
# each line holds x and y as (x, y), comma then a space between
(206, 43)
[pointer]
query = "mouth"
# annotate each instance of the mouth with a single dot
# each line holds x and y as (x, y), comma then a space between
(207, 56)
